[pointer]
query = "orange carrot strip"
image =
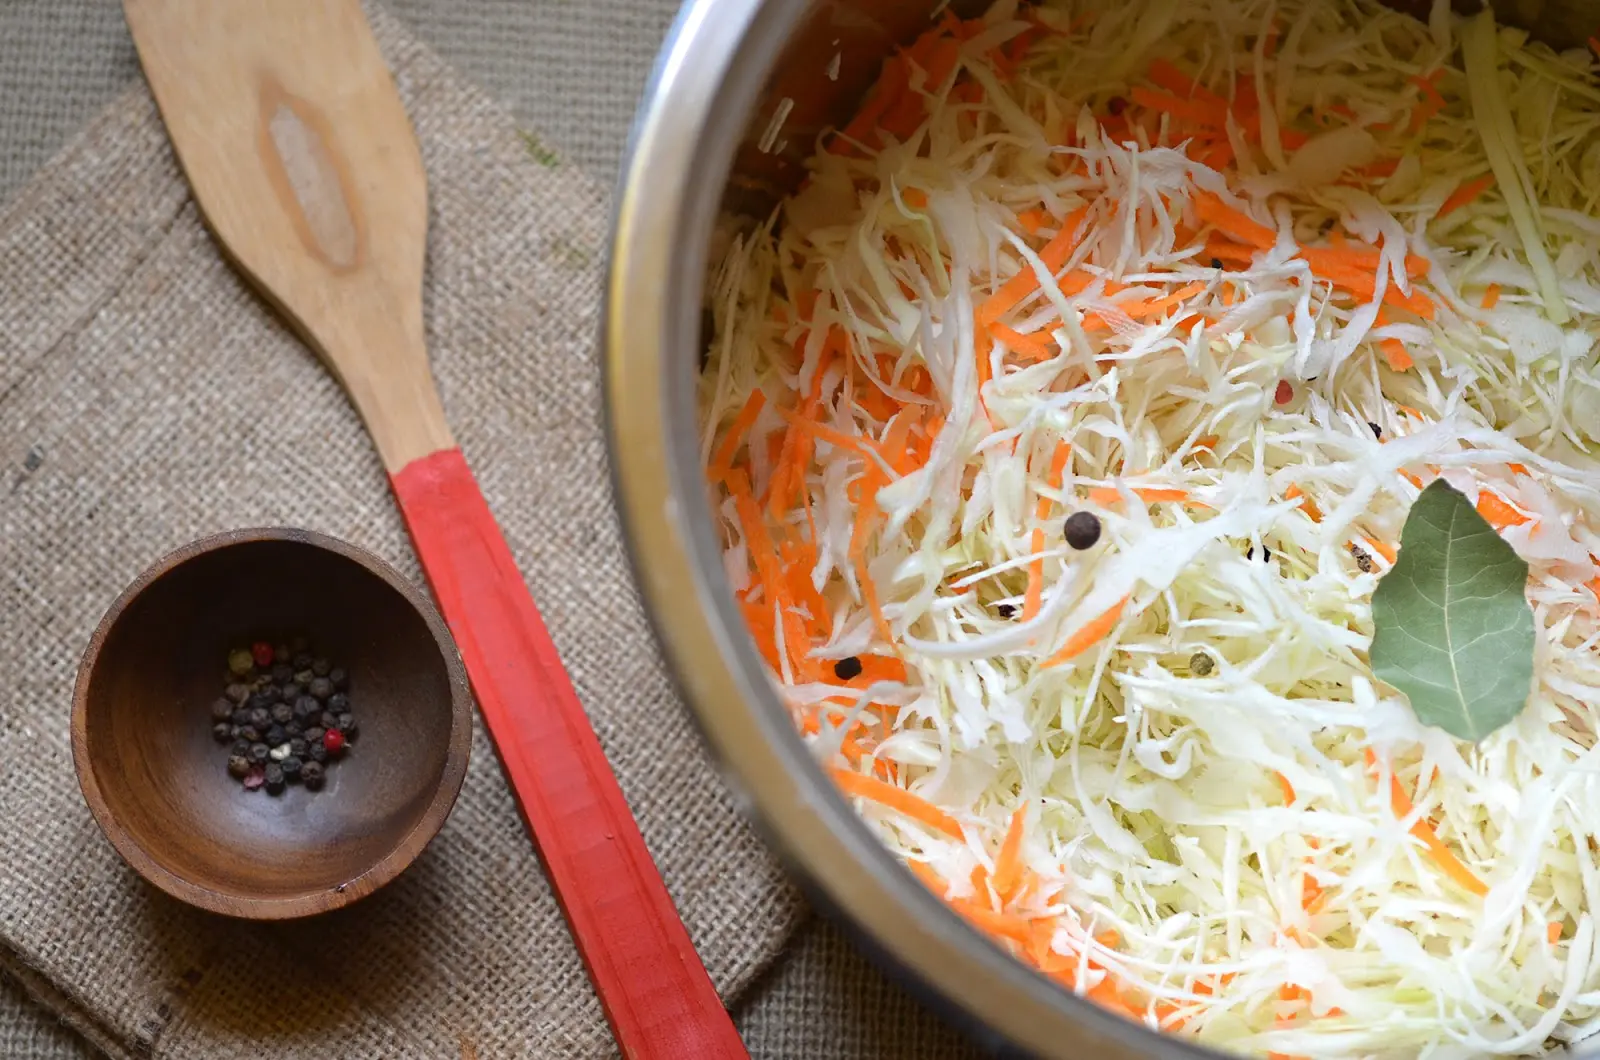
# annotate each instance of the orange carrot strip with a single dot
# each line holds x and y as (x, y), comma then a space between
(1107, 496)
(1498, 513)
(832, 436)
(1552, 932)
(1033, 220)
(930, 879)
(1288, 788)
(1035, 346)
(1169, 77)
(1233, 223)
(1491, 296)
(1411, 477)
(1394, 353)
(880, 668)
(1307, 505)
(1400, 803)
(1188, 111)
(1359, 260)
(1387, 551)
(915, 198)
(1432, 101)
(861, 786)
(1001, 925)
(1465, 194)
(1054, 255)
(1092, 633)
(722, 459)
(1008, 863)
(1519, 469)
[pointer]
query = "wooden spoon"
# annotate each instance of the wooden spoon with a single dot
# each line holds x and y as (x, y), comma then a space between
(304, 163)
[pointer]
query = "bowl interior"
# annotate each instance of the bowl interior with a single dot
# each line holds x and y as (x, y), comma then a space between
(162, 778)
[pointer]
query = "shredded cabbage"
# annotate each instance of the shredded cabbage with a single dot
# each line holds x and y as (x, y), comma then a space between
(1198, 798)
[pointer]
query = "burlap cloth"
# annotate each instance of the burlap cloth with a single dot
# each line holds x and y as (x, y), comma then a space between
(146, 398)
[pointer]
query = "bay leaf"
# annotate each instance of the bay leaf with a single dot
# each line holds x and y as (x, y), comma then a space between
(1452, 628)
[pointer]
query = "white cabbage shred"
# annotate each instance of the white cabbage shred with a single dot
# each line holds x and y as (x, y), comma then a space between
(1162, 859)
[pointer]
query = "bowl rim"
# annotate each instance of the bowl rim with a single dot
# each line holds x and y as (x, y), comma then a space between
(699, 101)
(398, 858)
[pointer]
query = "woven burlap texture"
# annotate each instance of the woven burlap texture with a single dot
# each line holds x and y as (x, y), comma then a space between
(146, 398)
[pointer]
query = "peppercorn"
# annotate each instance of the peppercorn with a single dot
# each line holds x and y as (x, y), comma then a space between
(240, 663)
(1284, 393)
(311, 774)
(261, 653)
(222, 709)
(1250, 553)
(260, 717)
(222, 732)
(255, 778)
(328, 720)
(297, 746)
(347, 725)
(1363, 561)
(1377, 432)
(302, 660)
(338, 702)
(847, 669)
(314, 734)
(292, 768)
(274, 778)
(1116, 105)
(333, 740)
(303, 678)
(259, 753)
(1216, 263)
(306, 708)
(282, 673)
(282, 713)
(248, 732)
(238, 766)
(260, 700)
(340, 678)
(1004, 610)
(237, 692)
(320, 667)
(1082, 530)
(240, 748)
(275, 735)
(320, 687)
(316, 752)
(295, 728)
(259, 682)
(291, 691)
(1200, 664)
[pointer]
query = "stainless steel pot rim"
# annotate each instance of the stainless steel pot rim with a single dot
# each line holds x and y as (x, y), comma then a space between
(699, 102)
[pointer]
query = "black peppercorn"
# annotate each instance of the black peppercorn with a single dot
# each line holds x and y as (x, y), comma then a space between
(1363, 561)
(295, 728)
(340, 678)
(311, 773)
(282, 673)
(314, 733)
(338, 702)
(238, 766)
(1216, 263)
(317, 752)
(248, 732)
(276, 735)
(302, 660)
(260, 717)
(847, 669)
(1005, 610)
(1377, 432)
(320, 667)
(222, 732)
(259, 753)
(237, 692)
(1200, 664)
(328, 720)
(1082, 530)
(306, 708)
(320, 687)
(291, 692)
(347, 725)
(282, 713)
(274, 775)
(240, 716)
(297, 746)
(240, 748)
(291, 768)
(222, 709)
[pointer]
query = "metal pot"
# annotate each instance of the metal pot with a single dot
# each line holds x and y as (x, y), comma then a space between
(739, 95)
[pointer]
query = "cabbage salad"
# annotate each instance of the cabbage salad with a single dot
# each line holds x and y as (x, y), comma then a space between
(1060, 431)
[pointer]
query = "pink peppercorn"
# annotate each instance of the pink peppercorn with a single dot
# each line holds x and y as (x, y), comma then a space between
(261, 652)
(1284, 394)
(333, 740)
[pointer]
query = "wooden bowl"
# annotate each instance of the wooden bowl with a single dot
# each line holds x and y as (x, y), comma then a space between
(157, 781)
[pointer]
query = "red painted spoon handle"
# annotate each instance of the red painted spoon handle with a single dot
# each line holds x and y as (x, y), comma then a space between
(655, 992)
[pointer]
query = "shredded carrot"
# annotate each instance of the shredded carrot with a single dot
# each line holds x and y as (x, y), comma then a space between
(1169, 77)
(1232, 223)
(1288, 788)
(1207, 441)
(1400, 803)
(1033, 598)
(1033, 220)
(1432, 101)
(1491, 296)
(1092, 633)
(1008, 863)
(1383, 549)
(1054, 255)
(1035, 346)
(1307, 505)
(1188, 111)
(930, 879)
(861, 786)
(1498, 513)
(1109, 496)
(879, 668)
(722, 460)
(1001, 925)
(1411, 477)
(1552, 932)
(1358, 260)
(822, 432)
(1519, 469)
(1464, 195)
(915, 198)
(1394, 353)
